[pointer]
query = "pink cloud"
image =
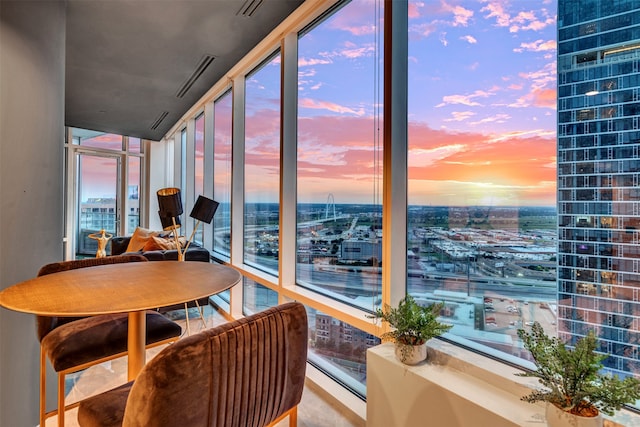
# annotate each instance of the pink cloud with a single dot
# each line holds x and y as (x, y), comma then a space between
(304, 62)
(422, 30)
(496, 10)
(352, 51)
(465, 99)
(459, 116)
(414, 12)
(523, 21)
(545, 98)
(355, 20)
(330, 106)
(537, 46)
(461, 16)
(469, 39)
(498, 118)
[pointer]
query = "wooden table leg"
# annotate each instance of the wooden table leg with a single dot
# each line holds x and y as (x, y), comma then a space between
(136, 343)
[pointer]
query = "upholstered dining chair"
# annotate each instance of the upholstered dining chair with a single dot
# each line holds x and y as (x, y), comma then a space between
(72, 344)
(245, 373)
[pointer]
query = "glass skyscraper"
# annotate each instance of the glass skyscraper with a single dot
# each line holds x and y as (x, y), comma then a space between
(599, 176)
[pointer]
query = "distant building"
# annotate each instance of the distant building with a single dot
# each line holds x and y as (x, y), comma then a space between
(360, 250)
(331, 330)
(598, 177)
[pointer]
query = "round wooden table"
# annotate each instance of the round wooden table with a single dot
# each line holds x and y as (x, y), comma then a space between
(119, 288)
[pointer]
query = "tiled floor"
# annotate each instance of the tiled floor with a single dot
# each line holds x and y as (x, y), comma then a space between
(313, 411)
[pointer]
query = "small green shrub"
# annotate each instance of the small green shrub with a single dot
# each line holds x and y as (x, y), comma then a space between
(572, 377)
(413, 324)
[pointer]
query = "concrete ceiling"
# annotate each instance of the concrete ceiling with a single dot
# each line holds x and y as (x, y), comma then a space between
(126, 60)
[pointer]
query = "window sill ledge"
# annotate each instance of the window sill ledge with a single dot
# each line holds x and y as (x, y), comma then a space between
(456, 387)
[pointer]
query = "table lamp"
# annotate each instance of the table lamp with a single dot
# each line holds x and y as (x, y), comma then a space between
(168, 222)
(203, 211)
(170, 204)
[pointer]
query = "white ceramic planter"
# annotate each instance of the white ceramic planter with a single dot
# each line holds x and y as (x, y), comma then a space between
(411, 354)
(556, 417)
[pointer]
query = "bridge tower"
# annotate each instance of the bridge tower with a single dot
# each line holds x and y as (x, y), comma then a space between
(330, 208)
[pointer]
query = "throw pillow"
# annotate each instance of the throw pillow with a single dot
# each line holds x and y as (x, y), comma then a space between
(139, 238)
(157, 243)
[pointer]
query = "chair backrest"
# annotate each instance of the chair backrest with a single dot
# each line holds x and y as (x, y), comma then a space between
(46, 324)
(243, 373)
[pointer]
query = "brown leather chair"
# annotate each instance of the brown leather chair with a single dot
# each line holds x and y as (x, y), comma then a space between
(73, 343)
(245, 373)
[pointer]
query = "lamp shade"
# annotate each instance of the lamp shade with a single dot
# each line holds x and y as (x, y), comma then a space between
(204, 209)
(167, 223)
(170, 202)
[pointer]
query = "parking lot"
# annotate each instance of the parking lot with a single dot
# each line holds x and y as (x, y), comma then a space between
(507, 315)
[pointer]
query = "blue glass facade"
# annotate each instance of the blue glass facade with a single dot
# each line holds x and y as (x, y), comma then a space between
(598, 176)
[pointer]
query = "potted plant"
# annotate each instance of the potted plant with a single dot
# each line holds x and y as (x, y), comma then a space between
(413, 326)
(576, 391)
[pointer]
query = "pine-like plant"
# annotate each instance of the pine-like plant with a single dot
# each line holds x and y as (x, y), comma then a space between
(572, 377)
(413, 324)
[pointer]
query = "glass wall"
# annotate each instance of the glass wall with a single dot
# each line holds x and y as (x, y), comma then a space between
(262, 166)
(222, 131)
(339, 349)
(106, 141)
(481, 179)
(100, 166)
(133, 194)
(198, 163)
(135, 144)
(482, 222)
(257, 297)
(183, 168)
(98, 197)
(339, 224)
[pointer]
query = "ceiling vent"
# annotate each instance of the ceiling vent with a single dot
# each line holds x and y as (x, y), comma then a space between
(202, 65)
(249, 7)
(159, 120)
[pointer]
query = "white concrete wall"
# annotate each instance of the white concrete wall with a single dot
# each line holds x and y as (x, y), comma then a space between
(32, 57)
(454, 388)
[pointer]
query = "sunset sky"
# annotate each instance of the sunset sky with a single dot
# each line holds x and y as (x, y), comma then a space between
(482, 106)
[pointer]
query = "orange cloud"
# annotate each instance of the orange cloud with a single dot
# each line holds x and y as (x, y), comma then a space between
(337, 154)
(545, 98)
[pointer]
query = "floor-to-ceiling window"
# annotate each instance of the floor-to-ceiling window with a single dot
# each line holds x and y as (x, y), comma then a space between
(99, 165)
(482, 217)
(198, 166)
(339, 156)
(182, 179)
(339, 220)
(134, 183)
(481, 178)
(262, 165)
(222, 132)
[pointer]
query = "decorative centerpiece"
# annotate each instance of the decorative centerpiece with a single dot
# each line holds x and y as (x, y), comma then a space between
(413, 326)
(576, 391)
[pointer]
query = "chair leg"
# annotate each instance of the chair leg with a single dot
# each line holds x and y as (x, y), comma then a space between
(293, 417)
(60, 399)
(43, 387)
